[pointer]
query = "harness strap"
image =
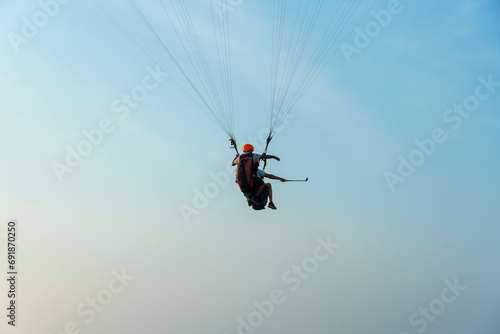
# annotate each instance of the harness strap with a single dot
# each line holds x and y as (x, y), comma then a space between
(269, 138)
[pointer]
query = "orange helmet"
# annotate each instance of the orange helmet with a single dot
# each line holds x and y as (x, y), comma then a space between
(247, 147)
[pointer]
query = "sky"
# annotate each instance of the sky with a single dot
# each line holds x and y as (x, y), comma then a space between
(127, 216)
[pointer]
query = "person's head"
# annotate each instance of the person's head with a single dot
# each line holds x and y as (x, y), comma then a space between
(247, 148)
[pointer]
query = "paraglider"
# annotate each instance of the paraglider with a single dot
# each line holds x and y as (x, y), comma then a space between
(250, 178)
(299, 54)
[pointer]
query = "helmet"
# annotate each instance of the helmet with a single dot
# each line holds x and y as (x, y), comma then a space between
(247, 147)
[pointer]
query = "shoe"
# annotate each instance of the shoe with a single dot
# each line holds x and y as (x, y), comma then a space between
(271, 205)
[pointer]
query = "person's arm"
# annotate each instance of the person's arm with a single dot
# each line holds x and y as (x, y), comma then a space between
(234, 160)
(273, 177)
(265, 156)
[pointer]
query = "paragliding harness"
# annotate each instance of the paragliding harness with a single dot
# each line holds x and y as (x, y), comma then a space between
(246, 174)
(246, 177)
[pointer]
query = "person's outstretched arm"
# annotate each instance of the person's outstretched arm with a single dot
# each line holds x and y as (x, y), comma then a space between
(265, 156)
(273, 177)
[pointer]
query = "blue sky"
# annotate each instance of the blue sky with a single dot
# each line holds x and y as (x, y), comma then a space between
(123, 207)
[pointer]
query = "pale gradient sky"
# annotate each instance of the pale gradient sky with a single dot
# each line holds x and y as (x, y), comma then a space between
(121, 208)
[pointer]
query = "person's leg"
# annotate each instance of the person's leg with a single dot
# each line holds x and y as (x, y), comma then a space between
(270, 192)
(259, 190)
(258, 186)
